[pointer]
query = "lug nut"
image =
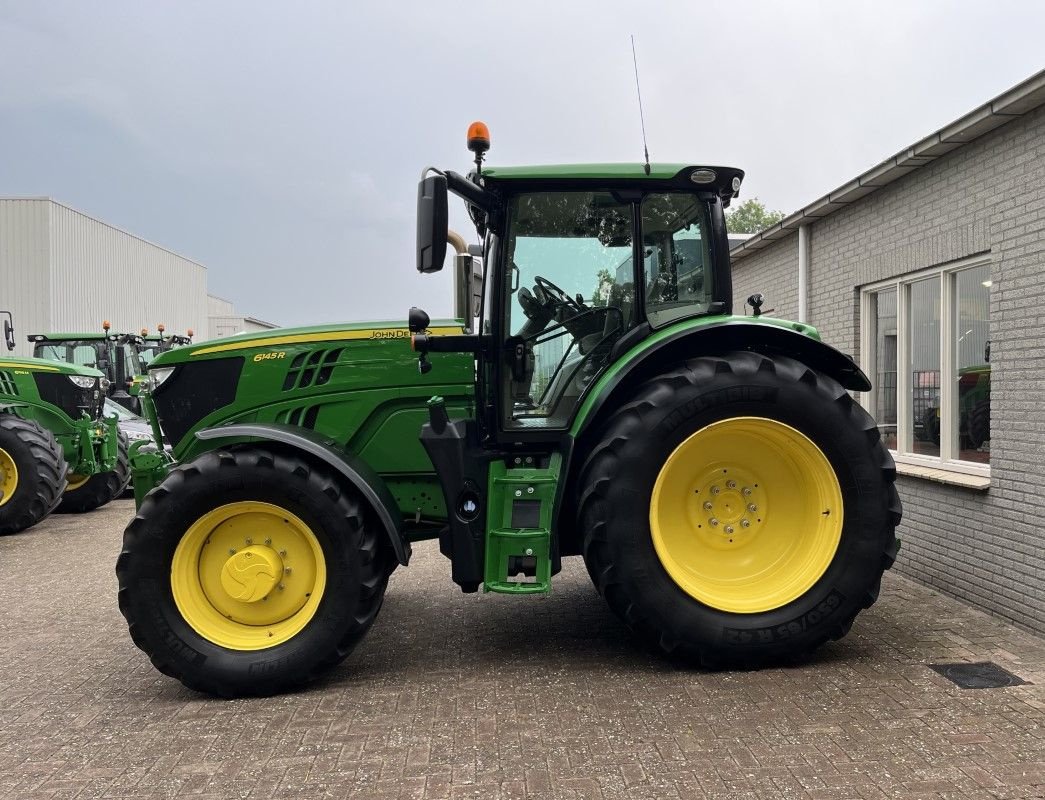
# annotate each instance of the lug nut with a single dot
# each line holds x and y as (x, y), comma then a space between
(282, 553)
(232, 551)
(752, 507)
(747, 491)
(707, 505)
(731, 484)
(282, 587)
(729, 529)
(715, 490)
(713, 521)
(745, 523)
(286, 571)
(250, 541)
(268, 541)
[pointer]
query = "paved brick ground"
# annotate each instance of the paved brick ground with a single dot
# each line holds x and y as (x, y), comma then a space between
(455, 696)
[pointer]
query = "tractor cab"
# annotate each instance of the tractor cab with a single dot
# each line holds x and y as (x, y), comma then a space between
(153, 344)
(115, 355)
(583, 262)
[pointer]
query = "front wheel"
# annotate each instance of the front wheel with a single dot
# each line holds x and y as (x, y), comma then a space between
(739, 510)
(32, 473)
(249, 572)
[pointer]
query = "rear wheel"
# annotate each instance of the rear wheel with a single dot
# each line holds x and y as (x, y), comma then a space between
(739, 510)
(32, 473)
(88, 492)
(250, 572)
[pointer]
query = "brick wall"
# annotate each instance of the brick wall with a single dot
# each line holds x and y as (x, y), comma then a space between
(987, 548)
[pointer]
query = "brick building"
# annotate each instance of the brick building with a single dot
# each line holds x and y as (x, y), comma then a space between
(930, 269)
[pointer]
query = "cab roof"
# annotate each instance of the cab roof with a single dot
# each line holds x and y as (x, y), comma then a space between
(688, 176)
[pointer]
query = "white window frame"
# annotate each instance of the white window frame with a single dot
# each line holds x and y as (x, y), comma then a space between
(949, 449)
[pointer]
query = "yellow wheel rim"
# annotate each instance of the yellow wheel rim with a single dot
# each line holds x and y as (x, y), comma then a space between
(8, 476)
(75, 481)
(248, 575)
(746, 515)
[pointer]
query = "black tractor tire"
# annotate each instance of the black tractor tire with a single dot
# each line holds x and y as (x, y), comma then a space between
(100, 489)
(979, 428)
(616, 489)
(931, 425)
(357, 557)
(41, 467)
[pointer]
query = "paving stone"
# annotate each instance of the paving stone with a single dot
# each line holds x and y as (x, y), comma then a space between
(485, 696)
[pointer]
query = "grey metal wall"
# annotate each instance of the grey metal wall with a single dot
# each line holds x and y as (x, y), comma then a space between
(100, 272)
(987, 196)
(24, 273)
(62, 270)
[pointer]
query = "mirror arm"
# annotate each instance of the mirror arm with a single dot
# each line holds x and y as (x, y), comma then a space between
(464, 188)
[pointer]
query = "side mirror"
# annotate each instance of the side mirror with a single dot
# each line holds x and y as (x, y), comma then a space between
(432, 222)
(9, 331)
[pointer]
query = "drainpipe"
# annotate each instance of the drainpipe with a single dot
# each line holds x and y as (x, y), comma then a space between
(803, 273)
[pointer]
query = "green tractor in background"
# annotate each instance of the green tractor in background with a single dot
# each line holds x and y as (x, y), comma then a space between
(732, 502)
(116, 355)
(155, 343)
(57, 450)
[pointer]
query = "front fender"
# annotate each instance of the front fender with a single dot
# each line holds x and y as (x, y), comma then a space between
(356, 471)
(709, 338)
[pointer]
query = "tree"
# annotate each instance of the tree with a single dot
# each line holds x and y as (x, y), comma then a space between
(751, 216)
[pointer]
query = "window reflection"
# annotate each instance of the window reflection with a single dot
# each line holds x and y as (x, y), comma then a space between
(972, 354)
(925, 365)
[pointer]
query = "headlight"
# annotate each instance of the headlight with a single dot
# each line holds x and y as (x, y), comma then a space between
(158, 376)
(105, 384)
(83, 381)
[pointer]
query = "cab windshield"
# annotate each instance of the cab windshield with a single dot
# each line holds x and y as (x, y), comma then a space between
(570, 262)
(83, 352)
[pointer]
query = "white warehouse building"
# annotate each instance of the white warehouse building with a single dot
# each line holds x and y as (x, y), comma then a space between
(62, 270)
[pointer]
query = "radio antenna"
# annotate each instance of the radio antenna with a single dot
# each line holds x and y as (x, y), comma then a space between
(638, 91)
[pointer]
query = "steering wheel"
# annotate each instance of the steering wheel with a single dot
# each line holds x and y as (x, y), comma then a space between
(556, 294)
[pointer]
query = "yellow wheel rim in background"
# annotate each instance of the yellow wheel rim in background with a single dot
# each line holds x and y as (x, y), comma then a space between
(746, 515)
(8, 476)
(248, 575)
(75, 481)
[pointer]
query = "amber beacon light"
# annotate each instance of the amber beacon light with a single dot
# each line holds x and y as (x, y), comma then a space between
(478, 138)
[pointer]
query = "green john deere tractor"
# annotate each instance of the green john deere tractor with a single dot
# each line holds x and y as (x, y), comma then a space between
(57, 451)
(155, 343)
(116, 355)
(732, 502)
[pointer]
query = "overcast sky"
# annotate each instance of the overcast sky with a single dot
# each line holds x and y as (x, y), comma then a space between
(280, 144)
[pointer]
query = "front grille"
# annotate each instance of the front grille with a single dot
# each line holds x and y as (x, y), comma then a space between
(62, 392)
(195, 390)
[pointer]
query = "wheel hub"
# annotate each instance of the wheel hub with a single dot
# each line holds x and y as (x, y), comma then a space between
(731, 502)
(251, 574)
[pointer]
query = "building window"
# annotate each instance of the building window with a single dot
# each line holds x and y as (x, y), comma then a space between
(926, 347)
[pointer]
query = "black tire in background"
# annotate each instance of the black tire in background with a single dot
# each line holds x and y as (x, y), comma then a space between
(41, 473)
(980, 424)
(357, 558)
(618, 477)
(100, 489)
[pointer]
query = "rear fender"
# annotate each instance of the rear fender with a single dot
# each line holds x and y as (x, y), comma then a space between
(348, 465)
(652, 356)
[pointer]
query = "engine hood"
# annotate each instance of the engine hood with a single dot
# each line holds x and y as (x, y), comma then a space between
(353, 332)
